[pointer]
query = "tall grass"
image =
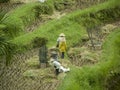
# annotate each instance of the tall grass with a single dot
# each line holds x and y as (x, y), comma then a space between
(112, 52)
(94, 77)
(16, 20)
(52, 31)
(85, 78)
(72, 25)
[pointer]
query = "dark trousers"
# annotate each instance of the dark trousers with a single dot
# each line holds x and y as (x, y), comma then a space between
(57, 72)
(62, 55)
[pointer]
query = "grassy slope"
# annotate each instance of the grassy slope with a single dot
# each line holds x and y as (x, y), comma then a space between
(86, 78)
(93, 78)
(112, 53)
(16, 20)
(51, 30)
(70, 25)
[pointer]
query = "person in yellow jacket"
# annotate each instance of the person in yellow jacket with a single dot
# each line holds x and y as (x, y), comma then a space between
(62, 48)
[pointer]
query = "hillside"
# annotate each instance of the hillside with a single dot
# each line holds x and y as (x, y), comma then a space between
(92, 33)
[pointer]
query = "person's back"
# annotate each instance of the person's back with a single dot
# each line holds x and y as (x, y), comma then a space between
(60, 38)
(41, 1)
(56, 64)
(62, 48)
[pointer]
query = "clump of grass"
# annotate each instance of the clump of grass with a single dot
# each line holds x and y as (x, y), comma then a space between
(64, 4)
(83, 78)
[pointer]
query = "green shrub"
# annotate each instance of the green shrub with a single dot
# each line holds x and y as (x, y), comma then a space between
(2, 27)
(2, 13)
(110, 65)
(38, 42)
(46, 8)
(112, 49)
(4, 1)
(84, 78)
(64, 4)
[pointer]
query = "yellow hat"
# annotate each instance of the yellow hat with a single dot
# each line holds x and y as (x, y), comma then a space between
(62, 35)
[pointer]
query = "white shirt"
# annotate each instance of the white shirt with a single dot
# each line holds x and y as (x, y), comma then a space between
(60, 67)
(57, 64)
(42, 1)
(61, 39)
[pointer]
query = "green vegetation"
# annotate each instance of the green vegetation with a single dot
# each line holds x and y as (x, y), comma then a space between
(16, 20)
(64, 4)
(23, 16)
(13, 23)
(6, 48)
(97, 76)
(73, 25)
(47, 32)
(85, 78)
(4, 1)
(97, 15)
(112, 52)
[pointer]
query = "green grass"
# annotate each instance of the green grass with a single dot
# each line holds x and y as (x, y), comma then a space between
(16, 20)
(72, 25)
(51, 32)
(94, 77)
(112, 51)
(85, 78)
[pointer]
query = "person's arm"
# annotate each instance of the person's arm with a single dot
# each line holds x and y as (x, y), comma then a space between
(57, 44)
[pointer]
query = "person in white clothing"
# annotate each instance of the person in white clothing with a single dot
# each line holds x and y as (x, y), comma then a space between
(57, 65)
(41, 1)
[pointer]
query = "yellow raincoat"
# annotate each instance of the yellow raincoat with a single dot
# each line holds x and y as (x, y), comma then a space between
(62, 46)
